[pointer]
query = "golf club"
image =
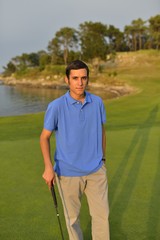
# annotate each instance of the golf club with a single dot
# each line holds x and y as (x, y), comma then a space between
(56, 207)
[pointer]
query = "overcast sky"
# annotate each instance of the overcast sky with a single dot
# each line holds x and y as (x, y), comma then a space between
(28, 25)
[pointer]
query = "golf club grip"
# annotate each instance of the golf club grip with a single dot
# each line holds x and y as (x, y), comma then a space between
(54, 196)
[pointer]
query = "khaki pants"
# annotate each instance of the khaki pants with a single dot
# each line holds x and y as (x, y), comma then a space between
(95, 187)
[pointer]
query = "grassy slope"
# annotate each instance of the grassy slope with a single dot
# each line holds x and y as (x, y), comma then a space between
(133, 166)
(133, 149)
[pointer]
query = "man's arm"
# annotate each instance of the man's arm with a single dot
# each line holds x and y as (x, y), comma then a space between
(49, 174)
(104, 142)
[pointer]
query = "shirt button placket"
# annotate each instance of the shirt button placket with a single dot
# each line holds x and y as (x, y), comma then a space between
(81, 114)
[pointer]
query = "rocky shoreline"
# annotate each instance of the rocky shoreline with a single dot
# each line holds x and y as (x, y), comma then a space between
(115, 90)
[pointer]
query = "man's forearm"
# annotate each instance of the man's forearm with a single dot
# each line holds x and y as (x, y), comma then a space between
(45, 148)
(48, 175)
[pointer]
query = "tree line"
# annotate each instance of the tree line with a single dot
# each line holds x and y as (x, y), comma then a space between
(91, 40)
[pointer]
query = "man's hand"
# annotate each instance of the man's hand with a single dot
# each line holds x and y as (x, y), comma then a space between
(49, 176)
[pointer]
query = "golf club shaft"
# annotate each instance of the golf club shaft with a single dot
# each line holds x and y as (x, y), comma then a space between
(54, 196)
(56, 207)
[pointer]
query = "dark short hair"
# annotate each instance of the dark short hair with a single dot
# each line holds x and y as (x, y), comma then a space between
(75, 65)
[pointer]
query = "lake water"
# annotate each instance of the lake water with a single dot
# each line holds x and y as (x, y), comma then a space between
(21, 100)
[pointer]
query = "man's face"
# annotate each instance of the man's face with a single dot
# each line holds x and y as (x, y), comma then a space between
(77, 82)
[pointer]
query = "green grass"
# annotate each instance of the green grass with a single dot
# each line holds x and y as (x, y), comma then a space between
(133, 152)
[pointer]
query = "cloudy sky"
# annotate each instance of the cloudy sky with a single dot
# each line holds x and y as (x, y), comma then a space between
(28, 25)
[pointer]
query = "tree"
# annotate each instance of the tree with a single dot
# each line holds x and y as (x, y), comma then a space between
(93, 40)
(154, 28)
(140, 29)
(135, 34)
(65, 40)
(9, 69)
(44, 59)
(55, 52)
(116, 39)
(33, 59)
(21, 62)
(26, 61)
(128, 37)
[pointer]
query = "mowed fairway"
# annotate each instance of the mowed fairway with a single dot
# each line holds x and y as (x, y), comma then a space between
(133, 151)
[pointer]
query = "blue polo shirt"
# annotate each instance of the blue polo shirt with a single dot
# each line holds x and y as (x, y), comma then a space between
(78, 131)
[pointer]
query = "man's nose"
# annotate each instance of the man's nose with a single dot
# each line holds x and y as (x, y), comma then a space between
(80, 82)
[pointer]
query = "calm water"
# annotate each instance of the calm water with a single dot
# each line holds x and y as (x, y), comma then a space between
(22, 100)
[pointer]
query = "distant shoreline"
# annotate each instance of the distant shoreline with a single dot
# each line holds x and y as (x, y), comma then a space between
(116, 91)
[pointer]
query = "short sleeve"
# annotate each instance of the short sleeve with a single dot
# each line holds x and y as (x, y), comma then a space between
(51, 117)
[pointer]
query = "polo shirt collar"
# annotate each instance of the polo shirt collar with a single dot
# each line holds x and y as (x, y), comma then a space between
(72, 100)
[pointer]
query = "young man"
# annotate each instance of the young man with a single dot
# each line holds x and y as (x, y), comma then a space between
(78, 118)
